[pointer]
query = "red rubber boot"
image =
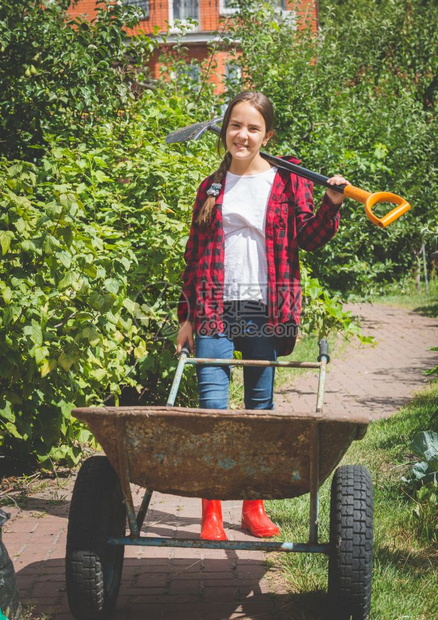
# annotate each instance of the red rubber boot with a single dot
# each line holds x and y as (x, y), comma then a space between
(211, 524)
(256, 521)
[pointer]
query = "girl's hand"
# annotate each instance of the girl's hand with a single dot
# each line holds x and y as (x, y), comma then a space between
(336, 197)
(185, 334)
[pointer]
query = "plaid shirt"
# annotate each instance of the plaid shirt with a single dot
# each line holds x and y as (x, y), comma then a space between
(290, 224)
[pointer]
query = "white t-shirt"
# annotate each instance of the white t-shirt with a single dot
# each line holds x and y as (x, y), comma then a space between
(244, 215)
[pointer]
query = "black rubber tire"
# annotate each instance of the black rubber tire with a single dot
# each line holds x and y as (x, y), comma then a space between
(351, 540)
(93, 567)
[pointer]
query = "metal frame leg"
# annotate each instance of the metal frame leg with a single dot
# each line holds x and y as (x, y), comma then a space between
(314, 484)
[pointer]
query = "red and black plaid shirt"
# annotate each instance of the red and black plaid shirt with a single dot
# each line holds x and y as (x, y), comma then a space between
(290, 224)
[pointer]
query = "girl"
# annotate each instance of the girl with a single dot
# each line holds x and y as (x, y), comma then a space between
(241, 283)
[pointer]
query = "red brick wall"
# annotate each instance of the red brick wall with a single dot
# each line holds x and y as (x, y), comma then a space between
(83, 7)
(209, 13)
(159, 16)
(202, 54)
(209, 10)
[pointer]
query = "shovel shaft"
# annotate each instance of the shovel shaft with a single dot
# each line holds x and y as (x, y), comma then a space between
(315, 177)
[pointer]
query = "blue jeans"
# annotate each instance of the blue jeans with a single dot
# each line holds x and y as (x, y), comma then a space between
(244, 327)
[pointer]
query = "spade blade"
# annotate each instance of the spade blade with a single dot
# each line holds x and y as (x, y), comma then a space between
(193, 132)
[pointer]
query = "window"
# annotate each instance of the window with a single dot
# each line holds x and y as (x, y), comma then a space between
(233, 74)
(190, 73)
(183, 10)
(143, 7)
(230, 6)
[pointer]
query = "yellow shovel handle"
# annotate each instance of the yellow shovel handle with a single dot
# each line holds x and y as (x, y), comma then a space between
(370, 200)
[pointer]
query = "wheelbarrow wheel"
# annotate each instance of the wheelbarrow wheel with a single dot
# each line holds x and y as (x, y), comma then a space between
(93, 567)
(351, 540)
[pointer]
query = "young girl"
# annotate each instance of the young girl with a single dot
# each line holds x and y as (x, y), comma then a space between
(241, 285)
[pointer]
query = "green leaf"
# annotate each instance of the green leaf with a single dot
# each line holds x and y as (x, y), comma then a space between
(70, 279)
(40, 353)
(67, 359)
(102, 302)
(112, 285)
(66, 408)
(6, 293)
(84, 435)
(13, 430)
(20, 225)
(47, 367)
(125, 262)
(35, 332)
(6, 411)
(6, 237)
(425, 445)
(101, 176)
(132, 306)
(64, 258)
(99, 373)
(50, 244)
(91, 334)
(28, 246)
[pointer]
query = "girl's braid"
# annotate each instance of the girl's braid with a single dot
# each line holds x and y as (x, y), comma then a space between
(204, 216)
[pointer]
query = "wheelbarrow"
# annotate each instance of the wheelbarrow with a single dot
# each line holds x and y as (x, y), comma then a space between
(218, 454)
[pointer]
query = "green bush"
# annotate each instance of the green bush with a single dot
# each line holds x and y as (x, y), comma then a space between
(66, 334)
(91, 239)
(92, 231)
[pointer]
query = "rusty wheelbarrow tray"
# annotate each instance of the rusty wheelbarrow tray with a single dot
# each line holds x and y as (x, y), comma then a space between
(217, 454)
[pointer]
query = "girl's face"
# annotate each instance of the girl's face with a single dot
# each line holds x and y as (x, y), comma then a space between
(246, 132)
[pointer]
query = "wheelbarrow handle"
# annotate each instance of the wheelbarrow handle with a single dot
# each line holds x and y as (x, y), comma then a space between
(182, 356)
(323, 351)
(185, 350)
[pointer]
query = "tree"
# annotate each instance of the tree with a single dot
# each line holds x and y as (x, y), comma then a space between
(60, 75)
(358, 97)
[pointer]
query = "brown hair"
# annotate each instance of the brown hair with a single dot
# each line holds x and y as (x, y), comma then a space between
(262, 104)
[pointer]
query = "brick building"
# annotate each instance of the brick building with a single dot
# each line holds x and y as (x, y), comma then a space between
(159, 15)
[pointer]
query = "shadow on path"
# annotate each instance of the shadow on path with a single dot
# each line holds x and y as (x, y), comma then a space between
(182, 589)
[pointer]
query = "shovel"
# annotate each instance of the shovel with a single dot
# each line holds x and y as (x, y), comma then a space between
(195, 131)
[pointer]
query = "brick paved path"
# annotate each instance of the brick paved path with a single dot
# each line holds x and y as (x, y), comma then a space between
(378, 379)
(180, 584)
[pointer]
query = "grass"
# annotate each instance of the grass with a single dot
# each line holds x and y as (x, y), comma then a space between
(405, 575)
(14, 491)
(409, 297)
(28, 613)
